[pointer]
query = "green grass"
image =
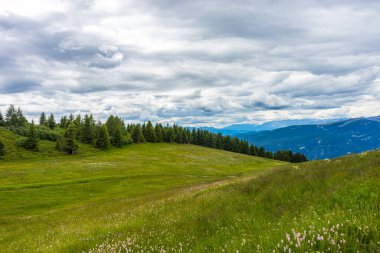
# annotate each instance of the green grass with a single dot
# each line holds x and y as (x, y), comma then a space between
(171, 198)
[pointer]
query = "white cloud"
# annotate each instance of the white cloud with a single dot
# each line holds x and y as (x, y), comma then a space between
(195, 62)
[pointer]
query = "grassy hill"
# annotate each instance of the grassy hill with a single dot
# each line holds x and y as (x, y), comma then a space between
(172, 198)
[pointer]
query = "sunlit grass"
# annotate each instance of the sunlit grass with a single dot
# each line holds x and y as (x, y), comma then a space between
(173, 198)
(50, 203)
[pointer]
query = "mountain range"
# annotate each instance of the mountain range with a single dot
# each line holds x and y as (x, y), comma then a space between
(321, 141)
(316, 138)
(236, 129)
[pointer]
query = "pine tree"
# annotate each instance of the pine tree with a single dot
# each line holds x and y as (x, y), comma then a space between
(1, 148)
(169, 134)
(236, 145)
(210, 141)
(137, 134)
(186, 136)
(116, 130)
(117, 138)
(31, 141)
(143, 129)
(21, 120)
(2, 122)
(244, 147)
(298, 158)
(102, 137)
(63, 122)
(219, 141)
(42, 119)
(11, 117)
(87, 130)
(71, 118)
(68, 142)
(150, 135)
(261, 152)
(253, 150)
(159, 133)
(51, 121)
(269, 154)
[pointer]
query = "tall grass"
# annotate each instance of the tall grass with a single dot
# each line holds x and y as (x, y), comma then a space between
(184, 198)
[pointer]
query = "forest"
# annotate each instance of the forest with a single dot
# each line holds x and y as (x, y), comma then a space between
(70, 130)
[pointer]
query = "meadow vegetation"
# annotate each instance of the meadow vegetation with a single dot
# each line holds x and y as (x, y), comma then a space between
(171, 196)
(162, 197)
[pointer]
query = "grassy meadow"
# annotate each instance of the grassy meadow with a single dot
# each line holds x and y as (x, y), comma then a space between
(184, 198)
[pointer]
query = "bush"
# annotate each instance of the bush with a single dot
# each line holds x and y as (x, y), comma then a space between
(43, 132)
(21, 142)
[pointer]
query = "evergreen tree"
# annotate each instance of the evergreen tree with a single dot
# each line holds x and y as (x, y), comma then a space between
(143, 129)
(31, 141)
(116, 130)
(71, 118)
(283, 155)
(64, 122)
(244, 147)
(2, 121)
(21, 120)
(1, 148)
(51, 121)
(253, 150)
(150, 134)
(42, 119)
(117, 138)
(137, 134)
(102, 137)
(236, 145)
(298, 158)
(68, 142)
(210, 140)
(269, 154)
(194, 139)
(186, 136)
(159, 133)
(261, 152)
(219, 141)
(11, 117)
(169, 134)
(87, 130)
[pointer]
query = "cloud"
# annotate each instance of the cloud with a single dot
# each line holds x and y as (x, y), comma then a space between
(193, 62)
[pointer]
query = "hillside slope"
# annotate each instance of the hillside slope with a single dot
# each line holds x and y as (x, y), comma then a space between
(49, 204)
(323, 206)
(321, 141)
(47, 149)
(172, 198)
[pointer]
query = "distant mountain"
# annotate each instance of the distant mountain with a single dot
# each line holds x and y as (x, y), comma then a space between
(376, 118)
(321, 141)
(271, 125)
(237, 129)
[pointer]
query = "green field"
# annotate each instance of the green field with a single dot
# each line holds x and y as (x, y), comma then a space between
(173, 198)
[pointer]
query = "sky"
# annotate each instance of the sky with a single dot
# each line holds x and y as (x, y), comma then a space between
(191, 62)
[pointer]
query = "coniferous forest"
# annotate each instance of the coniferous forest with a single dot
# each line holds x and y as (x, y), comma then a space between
(70, 130)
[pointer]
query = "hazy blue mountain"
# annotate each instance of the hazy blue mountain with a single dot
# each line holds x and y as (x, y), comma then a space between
(321, 141)
(237, 129)
(271, 125)
(376, 118)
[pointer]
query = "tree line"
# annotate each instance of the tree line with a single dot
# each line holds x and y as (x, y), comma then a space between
(85, 129)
